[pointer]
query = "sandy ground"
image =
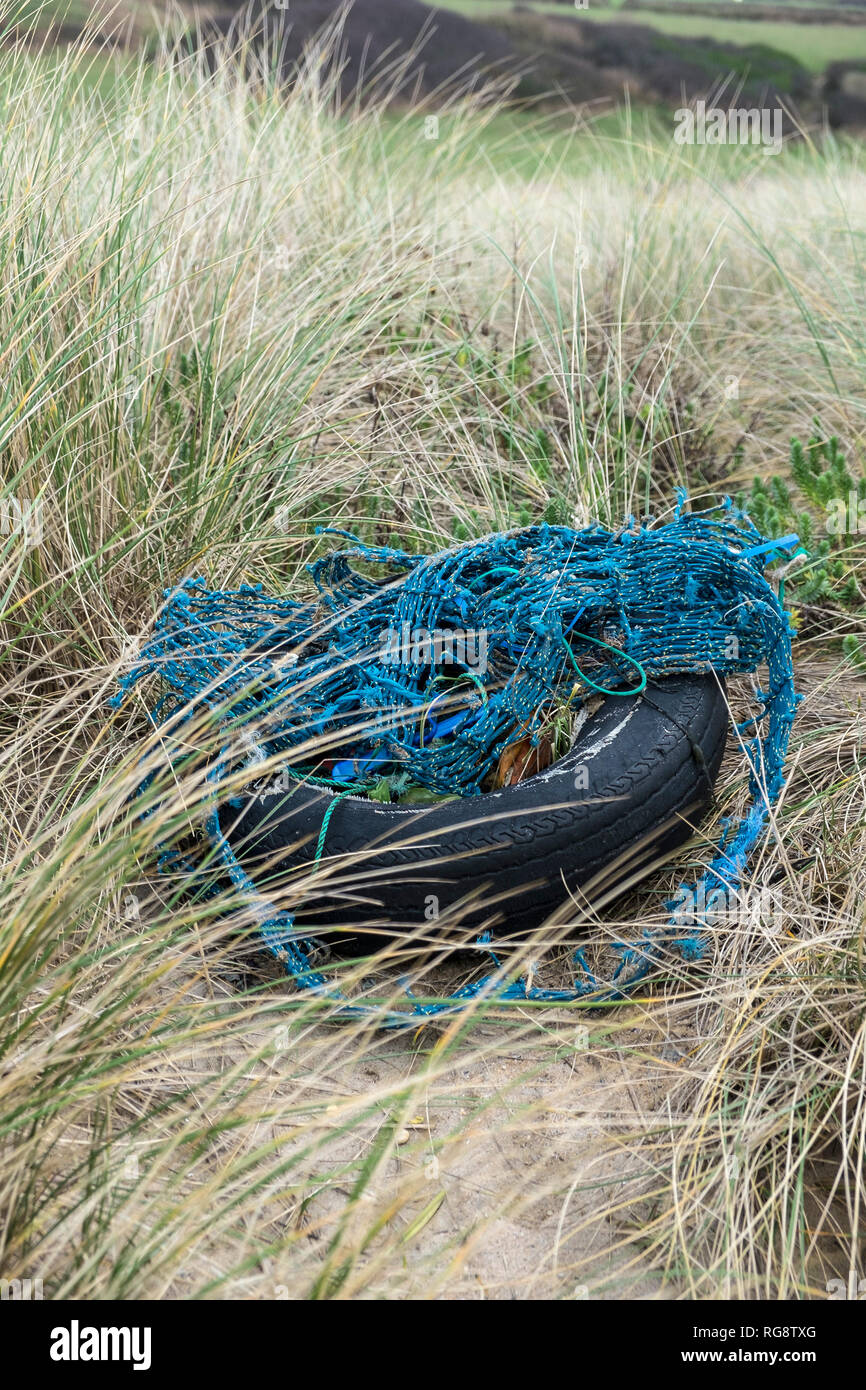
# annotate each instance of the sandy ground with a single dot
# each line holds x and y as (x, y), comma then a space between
(494, 1182)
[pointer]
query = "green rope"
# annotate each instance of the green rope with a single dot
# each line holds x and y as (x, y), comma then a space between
(326, 820)
(596, 642)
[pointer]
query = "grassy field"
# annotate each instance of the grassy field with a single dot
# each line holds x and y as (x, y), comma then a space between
(226, 319)
(813, 45)
(77, 12)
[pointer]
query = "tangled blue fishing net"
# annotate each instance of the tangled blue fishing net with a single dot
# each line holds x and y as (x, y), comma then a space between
(564, 613)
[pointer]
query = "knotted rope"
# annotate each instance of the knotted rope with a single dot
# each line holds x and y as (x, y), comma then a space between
(386, 667)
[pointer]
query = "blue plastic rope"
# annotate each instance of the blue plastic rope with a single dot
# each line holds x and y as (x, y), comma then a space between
(559, 612)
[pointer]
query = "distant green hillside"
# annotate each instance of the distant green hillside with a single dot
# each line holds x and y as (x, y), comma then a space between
(813, 45)
(76, 13)
(63, 11)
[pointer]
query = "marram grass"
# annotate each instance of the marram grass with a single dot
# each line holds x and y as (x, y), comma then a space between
(226, 317)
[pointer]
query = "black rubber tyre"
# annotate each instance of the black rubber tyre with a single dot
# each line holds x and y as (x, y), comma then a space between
(635, 783)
